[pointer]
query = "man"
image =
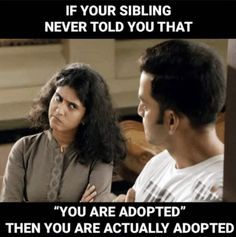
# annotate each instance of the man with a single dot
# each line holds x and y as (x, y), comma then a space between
(181, 91)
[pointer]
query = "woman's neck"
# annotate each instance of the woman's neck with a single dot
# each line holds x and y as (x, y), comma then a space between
(63, 139)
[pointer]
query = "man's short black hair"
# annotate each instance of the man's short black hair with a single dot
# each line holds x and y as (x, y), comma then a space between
(188, 78)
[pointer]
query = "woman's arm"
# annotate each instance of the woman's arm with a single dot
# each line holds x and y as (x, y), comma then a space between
(13, 180)
(101, 178)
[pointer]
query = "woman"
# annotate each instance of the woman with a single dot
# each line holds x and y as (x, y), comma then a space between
(78, 146)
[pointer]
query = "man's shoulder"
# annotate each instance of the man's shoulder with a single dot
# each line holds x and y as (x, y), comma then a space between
(159, 160)
(163, 156)
(214, 163)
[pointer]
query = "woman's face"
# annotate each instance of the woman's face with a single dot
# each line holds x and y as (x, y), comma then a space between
(65, 110)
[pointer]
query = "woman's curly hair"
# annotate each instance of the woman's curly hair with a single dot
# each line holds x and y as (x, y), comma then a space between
(99, 137)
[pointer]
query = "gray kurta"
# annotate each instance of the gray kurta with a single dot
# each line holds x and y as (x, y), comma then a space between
(29, 171)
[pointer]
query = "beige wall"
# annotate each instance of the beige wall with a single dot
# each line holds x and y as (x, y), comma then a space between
(4, 151)
(24, 69)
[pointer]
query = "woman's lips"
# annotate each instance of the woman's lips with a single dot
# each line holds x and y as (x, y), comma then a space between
(54, 116)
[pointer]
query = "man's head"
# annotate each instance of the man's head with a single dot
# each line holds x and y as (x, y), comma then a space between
(180, 79)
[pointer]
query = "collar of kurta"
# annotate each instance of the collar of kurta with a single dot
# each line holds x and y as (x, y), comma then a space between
(53, 143)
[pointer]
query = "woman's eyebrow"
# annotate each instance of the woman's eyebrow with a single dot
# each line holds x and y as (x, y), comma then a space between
(57, 93)
(68, 101)
(142, 99)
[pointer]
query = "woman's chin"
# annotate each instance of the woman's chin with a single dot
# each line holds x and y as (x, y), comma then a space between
(56, 127)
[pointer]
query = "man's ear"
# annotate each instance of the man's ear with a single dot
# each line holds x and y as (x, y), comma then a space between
(171, 121)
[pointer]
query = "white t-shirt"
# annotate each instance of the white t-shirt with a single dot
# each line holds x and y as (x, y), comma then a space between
(161, 181)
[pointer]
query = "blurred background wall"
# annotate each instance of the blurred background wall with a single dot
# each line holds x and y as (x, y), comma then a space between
(25, 65)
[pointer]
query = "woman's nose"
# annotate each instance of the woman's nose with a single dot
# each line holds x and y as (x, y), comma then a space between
(60, 110)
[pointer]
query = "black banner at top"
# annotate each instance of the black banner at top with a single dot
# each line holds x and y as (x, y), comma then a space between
(117, 19)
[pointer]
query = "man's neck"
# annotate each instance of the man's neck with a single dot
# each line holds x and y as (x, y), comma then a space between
(195, 147)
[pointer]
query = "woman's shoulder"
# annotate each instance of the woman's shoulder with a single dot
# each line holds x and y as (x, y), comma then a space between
(24, 147)
(27, 141)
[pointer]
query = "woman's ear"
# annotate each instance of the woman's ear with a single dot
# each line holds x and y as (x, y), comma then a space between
(83, 121)
(171, 120)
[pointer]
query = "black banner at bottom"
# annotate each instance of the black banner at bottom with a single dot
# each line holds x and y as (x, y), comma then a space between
(117, 219)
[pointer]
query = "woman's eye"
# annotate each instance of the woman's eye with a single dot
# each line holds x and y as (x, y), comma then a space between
(57, 98)
(72, 106)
